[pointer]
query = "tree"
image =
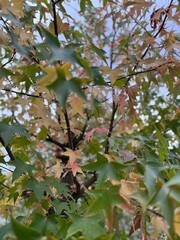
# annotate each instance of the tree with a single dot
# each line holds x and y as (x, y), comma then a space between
(89, 120)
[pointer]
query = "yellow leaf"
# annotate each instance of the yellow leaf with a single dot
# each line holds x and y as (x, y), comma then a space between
(4, 39)
(177, 221)
(66, 68)
(49, 77)
(18, 5)
(57, 169)
(77, 104)
(73, 155)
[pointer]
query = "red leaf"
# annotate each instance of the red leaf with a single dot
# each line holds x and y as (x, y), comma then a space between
(90, 133)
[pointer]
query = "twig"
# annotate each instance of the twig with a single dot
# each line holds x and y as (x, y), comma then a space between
(147, 49)
(10, 59)
(154, 212)
(143, 71)
(70, 138)
(61, 145)
(7, 149)
(7, 169)
(55, 17)
(22, 93)
(5, 185)
(114, 109)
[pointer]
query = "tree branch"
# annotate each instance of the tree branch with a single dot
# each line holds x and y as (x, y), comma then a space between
(55, 17)
(10, 59)
(147, 49)
(61, 145)
(143, 71)
(22, 93)
(70, 137)
(7, 149)
(114, 109)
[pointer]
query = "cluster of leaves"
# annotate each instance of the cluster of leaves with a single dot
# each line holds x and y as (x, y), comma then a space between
(89, 127)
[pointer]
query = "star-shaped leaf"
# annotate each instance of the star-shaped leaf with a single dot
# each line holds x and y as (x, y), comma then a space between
(88, 226)
(64, 87)
(105, 169)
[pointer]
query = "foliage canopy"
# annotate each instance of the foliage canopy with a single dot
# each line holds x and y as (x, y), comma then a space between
(90, 113)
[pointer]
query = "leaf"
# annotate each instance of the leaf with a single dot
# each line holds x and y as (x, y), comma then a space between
(105, 198)
(56, 53)
(100, 52)
(152, 171)
(74, 168)
(23, 232)
(177, 221)
(7, 132)
(73, 155)
(90, 133)
(89, 226)
(49, 77)
(159, 224)
(10, 16)
(20, 168)
(106, 170)
(64, 87)
(77, 105)
(5, 230)
(94, 73)
(22, 49)
(127, 155)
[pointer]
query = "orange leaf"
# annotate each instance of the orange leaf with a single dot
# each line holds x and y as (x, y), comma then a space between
(74, 168)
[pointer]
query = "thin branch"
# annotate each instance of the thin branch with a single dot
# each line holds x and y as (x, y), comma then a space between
(55, 17)
(147, 49)
(22, 93)
(10, 59)
(27, 94)
(81, 136)
(70, 138)
(143, 71)
(7, 149)
(7, 169)
(5, 185)
(61, 145)
(114, 109)
(154, 212)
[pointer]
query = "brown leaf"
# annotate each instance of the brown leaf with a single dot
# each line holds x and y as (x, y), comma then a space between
(136, 224)
(156, 17)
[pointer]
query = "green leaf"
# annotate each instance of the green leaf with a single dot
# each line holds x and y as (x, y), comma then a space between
(64, 87)
(105, 169)
(152, 171)
(22, 49)
(174, 180)
(5, 72)
(55, 52)
(105, 198)
(89, 226)
(7, 132)
(83, 4)
(20, 168)
(5, 230)
(23, 232)
(100, 52)
(37, 186)
(94, 73)
(10, 16)
(39, 222)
